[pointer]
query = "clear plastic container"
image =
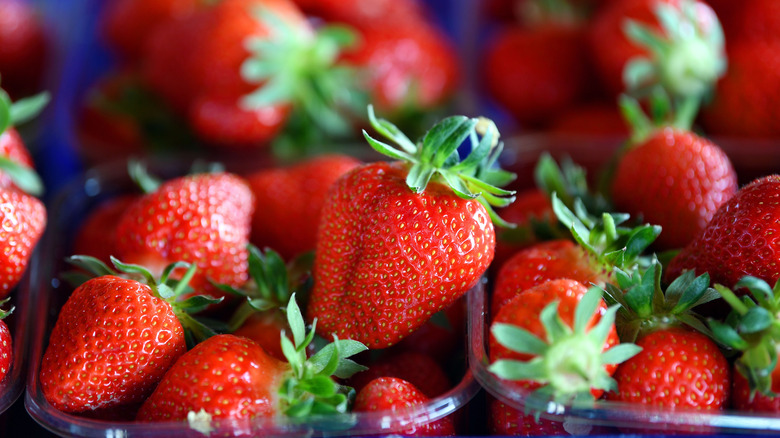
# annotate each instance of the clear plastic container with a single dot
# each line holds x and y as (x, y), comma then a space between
(19, 324)
(751, 159)
(68, 209)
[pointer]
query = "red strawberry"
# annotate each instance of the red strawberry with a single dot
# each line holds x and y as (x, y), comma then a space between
(126, 24)
(113, 340)
(365, 15)
(232, 378)
(23, 48)
(288, 202)
(691, 56)
(745, 101)
(737, 242)
(419, 369)
(505, 421)
(525, 313)
(692, 361)
(388, 394)
(754, 21)
(396, 244)
(590, 119)
(675, 179)
(441, 337)
(93, 238)
(536, 73)
(12, 147)
(202, 219)
(530, 206)
(6, 343)
(408, 66)
(16, 164)
(744, 399)
(24, 219)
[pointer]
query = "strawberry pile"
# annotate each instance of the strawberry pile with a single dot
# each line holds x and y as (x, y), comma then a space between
(238, 76)
(176, 314)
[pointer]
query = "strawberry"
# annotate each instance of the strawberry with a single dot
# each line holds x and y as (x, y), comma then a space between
(23, 47)
(91, 237)
(6, 342)
(535, 73)
(676, 179)
(590, 119)
(745, 101)
(679, 365)
(389, 394)
(288, 202)
(126, 24)
(750, 331)
(419, 369)
(505, 420)
(736, 242)
(16, 164)
(115, 337)
(755, 21)
(365, 15)
(536, 334)
(441, 337)
(531, 207)
(632, 30)
(396, 244)
(234, 69)
(232, 378)
(173, 222)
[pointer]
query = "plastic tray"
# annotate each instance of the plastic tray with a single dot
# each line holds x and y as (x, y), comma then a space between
(19, 323)
(71, 206)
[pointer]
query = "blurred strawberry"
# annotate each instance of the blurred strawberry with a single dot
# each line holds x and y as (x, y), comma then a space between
(590, 119)
(362, 14)
(416, 368)
(95, 236)
(23, 48)
(530, 207)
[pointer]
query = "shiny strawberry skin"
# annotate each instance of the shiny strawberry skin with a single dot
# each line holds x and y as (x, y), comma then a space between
(505, 421)
(537, 73)
(6, 350)
(760, 403)
(201, 219)
(392, 394)
(23, 48)
(739, 240)
(675, 179)
(523, 311)
(111, 344)
(419, 369)
(677, 368)
(541, 262)
(12, 147)
(227, 376)
(24, 220)
(745, 99)
(387, 259)
(265, 328)
(95, 236)
(289, 202)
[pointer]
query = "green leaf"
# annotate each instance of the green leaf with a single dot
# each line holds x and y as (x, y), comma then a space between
(692, 293)
(386, 149)
(638, 72)
(643, 35)
(457, 185)
(640, 297)
(91, 265)
(295, 320)
(553, 325)
(640, 240)
(515, 370)
(319, 386)
(518, 339)
(347, 368)
(133, 269)
(759, 288)
(727, 335)
(548, 177)
(25, 109)
(139, 174)
(755, 320)
(418, 177)
(391, 132)
(198, 303)
(22, 176)
(586, 308)
(620, 353)
(346, 348)
(291, 354)
(445, 137)
(5, 111)
(300, 409)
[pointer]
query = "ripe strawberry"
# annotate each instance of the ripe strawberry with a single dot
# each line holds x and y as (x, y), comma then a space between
(202, 219)
(288, 202)
(579, 354)
(701, 375)
(632, 30)
(388, 394)
(23, 48)
(745, 101)
(676, 179)
(16, 164)
(441, 337)
(6, 342)
(750, 331)
(114, 339)
(396, 244)
(736, 241)
(536, 73)
(365, 15)
(531, 207)
(679, 365)
(94, 236)
(419, 369)
(505, 420)
(754, 21)
(126, 24)
(590, 119)
(232, 378)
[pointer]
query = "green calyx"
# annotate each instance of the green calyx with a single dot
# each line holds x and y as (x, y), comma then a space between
(272, 284)
(149, 183)
(299, 68)
(13, 114)
(645, 307)
(436, 158)
(686, 57)
(607, 240)
(309, 388)
(569, 361)
(5, 313)
(170, 289)
(752, 328)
